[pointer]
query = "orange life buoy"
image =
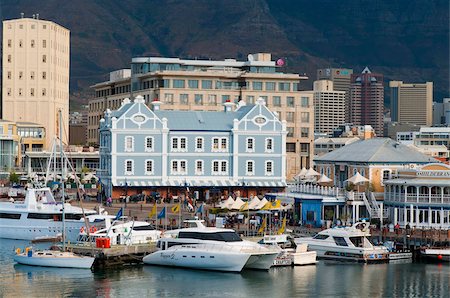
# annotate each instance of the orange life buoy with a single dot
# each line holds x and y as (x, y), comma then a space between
(93, 229)
(82, 230)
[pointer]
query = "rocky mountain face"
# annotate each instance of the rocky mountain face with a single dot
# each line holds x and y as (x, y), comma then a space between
(403, 39)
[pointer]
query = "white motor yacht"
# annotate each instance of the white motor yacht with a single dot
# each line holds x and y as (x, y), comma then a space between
(290, 253)
(39, 216)
(53, 258)
(122, 232)
(208, 248)
(346, 244)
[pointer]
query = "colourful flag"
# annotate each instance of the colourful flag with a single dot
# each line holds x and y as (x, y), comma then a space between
(153, 211)
(276, 205)
(162, 214)
(244, 207)
(119, 214)
(262, 227)
(283, 227)
(176, 208)
(200, 209)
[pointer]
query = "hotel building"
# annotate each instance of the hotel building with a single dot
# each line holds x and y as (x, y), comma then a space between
(341, 82)
(367, 100)
(204, 85)
(204, 152)
(329, 107)
(412, 103)
(35, 83)
(420, 197)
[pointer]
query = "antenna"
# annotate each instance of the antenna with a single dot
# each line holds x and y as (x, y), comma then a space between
(34, 16)
(22, 14)
(37, 16)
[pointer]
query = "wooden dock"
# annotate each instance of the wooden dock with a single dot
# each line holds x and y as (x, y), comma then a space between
(116, 256)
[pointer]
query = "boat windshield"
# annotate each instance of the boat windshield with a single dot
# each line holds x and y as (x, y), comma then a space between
(218, 236)
(357, 241)
(320, 237)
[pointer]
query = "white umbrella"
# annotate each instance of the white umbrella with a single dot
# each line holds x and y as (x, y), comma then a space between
(254, 203)
(357, 178)
(324, 179)
(311, 172)
(227, 203)
(237, 204)
(302, 173)
(261, 204)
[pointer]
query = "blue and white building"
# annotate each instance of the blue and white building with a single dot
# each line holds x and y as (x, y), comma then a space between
(143, 149)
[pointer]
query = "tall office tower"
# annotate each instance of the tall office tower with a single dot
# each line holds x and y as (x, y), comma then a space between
(204, 85)
(446, 103)
(367, 100)
(36, 74)
(329, 107)
(412, 103)
(341, 82)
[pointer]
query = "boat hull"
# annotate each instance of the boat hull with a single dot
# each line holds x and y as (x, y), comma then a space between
(194, 259)
(436, 254)
(261, 261)
(349, 254)
(38, 229)
(72, 262)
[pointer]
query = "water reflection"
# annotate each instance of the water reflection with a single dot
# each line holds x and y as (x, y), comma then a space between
(323, 280)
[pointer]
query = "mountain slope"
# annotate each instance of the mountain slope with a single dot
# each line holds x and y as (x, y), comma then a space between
(405, 40)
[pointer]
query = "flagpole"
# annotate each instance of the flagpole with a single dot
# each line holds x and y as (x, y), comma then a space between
(179, 215)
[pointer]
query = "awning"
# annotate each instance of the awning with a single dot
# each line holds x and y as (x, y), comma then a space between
(197, 183)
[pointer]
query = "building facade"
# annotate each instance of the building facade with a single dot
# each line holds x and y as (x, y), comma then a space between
(412, 103)
(341, 82)
(204, 152)
(329, 107)
(367, 100)
(204, 85)
(420, 197)
(36, 57)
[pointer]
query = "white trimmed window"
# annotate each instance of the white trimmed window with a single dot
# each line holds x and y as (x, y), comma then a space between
(199, 144)
(269, 145)
(386, 175)
(198, 167)
(149, 144)
(219, 167)
(250, 145)
(250, 168)
(129, 167)
(174, 168)
(219, 144)
(149, 167)
(269, 168)
(179, 167)
(129, 144)
(179, 144)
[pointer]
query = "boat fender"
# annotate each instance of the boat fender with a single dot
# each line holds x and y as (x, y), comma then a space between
(93, 229)
(17, 251)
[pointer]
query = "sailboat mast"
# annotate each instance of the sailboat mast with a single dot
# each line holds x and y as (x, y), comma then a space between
(63, 199)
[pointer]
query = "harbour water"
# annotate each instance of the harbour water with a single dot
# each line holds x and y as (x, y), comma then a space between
(323, 280)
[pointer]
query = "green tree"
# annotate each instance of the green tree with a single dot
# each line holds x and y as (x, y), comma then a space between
(13, 177)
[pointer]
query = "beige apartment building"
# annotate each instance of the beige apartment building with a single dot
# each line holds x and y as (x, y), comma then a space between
(412, 103)
(35, 83)
(204, 85)
(341, 78)
(329, 107)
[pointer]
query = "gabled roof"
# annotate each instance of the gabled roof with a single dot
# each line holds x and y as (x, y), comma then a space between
(376, 150)
(201, 120)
